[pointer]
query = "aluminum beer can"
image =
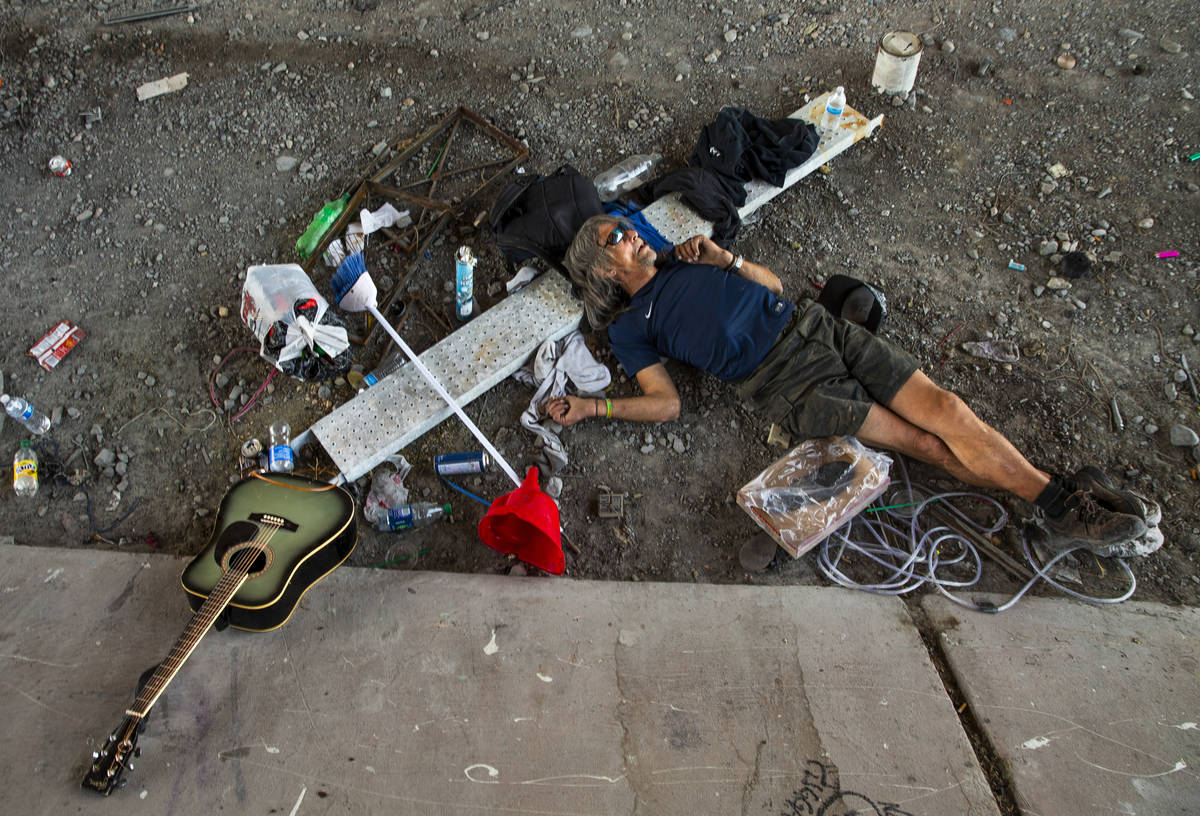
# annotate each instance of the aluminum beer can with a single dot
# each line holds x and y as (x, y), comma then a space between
(251, 448)
(60, 166)
(455, 464)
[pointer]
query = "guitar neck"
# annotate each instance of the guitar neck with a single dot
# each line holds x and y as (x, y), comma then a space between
(197, 628)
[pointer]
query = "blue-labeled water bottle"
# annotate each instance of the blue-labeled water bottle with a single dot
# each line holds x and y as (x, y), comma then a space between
(408, 516)
(832, 117)
(26, 414)
(464, 283)
(280, 458)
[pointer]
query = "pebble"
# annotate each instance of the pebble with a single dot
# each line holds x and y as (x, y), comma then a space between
(1058, 284)
(386, 93)
(646, 449)
(1130, 34)
(714, 56)
(284, 164)
(730, 35)
(105, 458)
(1007, 34)
(948, 46)
(1048, 247)
(582, 32)
(1180, 375)
(482, 36)
(1170, 391)
(1146, 223)
(554, 486)
(1170, 46)
(1183, 437)
(1151, 428)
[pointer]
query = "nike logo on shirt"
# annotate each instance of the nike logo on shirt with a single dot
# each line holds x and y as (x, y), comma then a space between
(648, 311)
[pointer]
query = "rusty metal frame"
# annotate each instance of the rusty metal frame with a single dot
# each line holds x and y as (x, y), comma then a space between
(434, 213)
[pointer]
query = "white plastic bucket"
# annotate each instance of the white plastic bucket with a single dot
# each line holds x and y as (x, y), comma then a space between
(896, 61)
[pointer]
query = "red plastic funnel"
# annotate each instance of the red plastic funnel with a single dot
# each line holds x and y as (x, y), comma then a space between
(524, 523)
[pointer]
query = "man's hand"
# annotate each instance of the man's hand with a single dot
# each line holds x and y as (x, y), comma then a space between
(566, 411)
(701, 249)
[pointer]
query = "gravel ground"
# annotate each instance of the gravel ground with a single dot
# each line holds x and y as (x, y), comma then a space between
(1003, 152)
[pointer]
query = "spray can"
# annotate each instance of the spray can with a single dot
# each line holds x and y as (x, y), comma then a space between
(455, 464)
(464, 283)
(60, 166)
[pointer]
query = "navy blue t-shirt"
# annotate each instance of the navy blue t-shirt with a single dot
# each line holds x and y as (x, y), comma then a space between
(701, 315)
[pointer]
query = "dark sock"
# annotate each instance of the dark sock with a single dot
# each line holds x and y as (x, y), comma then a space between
(1052, 499)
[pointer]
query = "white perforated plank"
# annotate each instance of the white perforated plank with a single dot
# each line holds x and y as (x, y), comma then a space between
(403, 406)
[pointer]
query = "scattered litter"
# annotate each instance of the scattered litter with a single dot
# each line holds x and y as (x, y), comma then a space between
(1058, 170)
(162, 86)
(609, 504)
(385, 216)
(148, 15)
(1000, 351)
(524, 275)
(1194, 157)
(56, 343)
(1017, 266)
(1117, 422)
(1065, 61)
(1168, 254)
(778, 436)
(1104, 192)
(60, 166)
(90, 117)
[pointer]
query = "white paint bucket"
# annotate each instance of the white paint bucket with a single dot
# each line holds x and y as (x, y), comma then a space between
(896, 61)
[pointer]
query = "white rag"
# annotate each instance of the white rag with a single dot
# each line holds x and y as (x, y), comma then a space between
(556, 362)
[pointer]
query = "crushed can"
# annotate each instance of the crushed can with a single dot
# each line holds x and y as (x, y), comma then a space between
(60, 166)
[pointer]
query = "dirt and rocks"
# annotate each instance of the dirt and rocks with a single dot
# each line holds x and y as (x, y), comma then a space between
(1000, 154)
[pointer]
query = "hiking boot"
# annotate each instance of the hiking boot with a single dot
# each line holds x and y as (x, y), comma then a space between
(1085, 523)
(1114, 498)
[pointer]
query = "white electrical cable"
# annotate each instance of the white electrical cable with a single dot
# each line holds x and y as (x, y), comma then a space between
(913, 555)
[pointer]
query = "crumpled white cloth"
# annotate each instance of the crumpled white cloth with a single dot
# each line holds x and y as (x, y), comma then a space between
(549, 370)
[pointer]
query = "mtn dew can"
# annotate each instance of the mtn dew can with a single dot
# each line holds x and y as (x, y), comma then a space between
(455, 464)
(464, 283)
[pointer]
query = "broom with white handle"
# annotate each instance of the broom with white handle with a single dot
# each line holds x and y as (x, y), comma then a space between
(354, 291)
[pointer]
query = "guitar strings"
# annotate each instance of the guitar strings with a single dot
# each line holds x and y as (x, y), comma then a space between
(239, 568)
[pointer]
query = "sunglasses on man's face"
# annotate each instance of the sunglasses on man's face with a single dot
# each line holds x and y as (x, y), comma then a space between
(615, 237)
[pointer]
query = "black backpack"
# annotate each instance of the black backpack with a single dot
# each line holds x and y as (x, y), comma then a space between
(538, 216)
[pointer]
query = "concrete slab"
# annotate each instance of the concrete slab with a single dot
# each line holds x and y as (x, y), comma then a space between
(1094, 709)
(405, 692)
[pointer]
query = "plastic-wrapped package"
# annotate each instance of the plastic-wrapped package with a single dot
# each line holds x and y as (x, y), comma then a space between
(816, 488)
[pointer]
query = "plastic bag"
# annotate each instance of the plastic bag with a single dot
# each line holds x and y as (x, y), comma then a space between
(387, 490)
(816, 488)
(296, 329)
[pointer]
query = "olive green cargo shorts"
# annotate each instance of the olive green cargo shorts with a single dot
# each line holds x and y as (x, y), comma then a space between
(823, 373)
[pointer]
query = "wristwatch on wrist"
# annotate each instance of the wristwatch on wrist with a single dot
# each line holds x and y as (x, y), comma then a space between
(735, 265)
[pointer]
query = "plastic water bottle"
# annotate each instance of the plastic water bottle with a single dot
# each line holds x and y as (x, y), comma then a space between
(25, 470)
(464, 283)
(407, 516)
(626, 175)
(280, 458)
(26, 414)
(834, 106)
(320, 225)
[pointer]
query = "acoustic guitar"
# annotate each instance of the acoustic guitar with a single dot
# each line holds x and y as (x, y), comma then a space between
(274, 537)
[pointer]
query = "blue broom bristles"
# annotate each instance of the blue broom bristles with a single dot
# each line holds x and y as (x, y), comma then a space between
(348, 273)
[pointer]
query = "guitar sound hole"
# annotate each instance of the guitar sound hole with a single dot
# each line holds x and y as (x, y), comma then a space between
(260, 564)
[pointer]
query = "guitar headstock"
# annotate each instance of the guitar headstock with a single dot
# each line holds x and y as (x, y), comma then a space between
(107, 764)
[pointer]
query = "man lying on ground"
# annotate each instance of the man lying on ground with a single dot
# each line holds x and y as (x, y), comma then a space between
(812, 373)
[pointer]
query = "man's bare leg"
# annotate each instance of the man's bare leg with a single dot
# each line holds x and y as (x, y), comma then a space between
(934, 425)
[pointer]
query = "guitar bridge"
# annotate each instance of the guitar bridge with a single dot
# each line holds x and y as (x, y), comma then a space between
(275, 521)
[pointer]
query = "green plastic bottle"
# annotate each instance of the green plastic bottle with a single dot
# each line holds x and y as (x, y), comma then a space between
(320, 225)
